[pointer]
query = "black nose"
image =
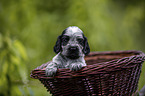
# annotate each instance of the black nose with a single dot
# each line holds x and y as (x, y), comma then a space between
(73, 48)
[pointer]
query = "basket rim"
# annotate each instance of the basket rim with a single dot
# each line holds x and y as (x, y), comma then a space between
(97, 68)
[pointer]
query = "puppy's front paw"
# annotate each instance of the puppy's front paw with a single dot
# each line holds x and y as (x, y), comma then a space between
(50, 71)
(75, 67)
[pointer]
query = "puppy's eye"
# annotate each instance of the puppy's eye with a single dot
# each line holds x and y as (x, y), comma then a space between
(65, 38)
(81, 41)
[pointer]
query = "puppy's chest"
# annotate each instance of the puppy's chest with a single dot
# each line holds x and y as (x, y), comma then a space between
(67, 64)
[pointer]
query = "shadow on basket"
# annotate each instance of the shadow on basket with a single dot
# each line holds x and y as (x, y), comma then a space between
(106, 73)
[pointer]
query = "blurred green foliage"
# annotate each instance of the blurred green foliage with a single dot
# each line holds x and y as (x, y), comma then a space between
(29, 28)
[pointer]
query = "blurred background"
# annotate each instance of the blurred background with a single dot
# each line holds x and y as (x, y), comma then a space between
(29, 29)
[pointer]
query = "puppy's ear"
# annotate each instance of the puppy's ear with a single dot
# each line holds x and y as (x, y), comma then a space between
(86, 48)
(57, 47)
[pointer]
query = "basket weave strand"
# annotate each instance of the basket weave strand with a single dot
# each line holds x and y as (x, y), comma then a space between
(107, 73)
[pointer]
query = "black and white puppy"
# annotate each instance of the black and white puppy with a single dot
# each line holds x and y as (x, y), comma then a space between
(71, 47)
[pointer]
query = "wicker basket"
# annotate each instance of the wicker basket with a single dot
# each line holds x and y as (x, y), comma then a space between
(107, 73)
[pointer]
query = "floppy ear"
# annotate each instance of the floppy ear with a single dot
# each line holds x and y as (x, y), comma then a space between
(86, 48)
(57, 47)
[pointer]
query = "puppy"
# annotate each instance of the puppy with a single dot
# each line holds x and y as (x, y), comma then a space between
(71, 47)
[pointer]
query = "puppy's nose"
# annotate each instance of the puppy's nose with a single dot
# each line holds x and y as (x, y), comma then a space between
(73, 48)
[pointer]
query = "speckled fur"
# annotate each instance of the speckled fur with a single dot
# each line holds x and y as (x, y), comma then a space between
(61, 60)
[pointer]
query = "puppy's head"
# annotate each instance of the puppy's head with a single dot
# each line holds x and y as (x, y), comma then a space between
(72, 43)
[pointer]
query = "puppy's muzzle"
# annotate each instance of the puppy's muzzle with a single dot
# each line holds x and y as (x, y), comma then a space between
(73, 49)
(73, 52)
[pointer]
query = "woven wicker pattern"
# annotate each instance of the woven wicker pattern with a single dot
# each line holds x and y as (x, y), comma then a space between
(107, 73)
